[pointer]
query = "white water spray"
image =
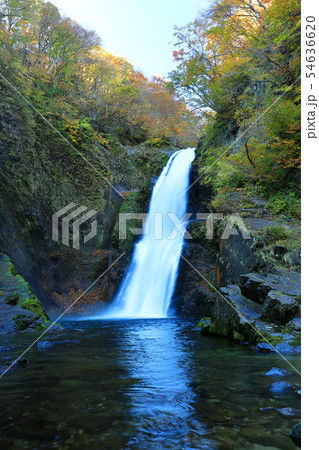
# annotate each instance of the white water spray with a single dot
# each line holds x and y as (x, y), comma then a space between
(148, 286)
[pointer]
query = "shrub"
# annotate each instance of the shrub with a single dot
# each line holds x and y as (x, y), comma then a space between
(275, 234)
(286, 203)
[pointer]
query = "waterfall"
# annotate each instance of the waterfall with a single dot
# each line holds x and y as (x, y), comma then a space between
(148, 286)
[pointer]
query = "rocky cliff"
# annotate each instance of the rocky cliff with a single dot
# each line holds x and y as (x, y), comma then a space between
(41, 173)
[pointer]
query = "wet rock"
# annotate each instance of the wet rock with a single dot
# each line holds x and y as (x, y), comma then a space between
(279, 307)
(286, 349)
(276, 372)
(256, 287)
(295, 434)
(295, 324)
(280, 387)
(253, 287)
(263, 347)
(288, 412)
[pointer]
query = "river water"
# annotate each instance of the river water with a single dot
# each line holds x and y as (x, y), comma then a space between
(142, 384)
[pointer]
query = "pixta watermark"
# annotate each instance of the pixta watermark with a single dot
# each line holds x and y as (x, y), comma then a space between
(160, 222)
(65, 217)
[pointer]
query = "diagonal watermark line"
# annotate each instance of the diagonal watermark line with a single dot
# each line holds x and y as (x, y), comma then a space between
(233, 307)
(61, 315)
(239, 137)
(58, 132)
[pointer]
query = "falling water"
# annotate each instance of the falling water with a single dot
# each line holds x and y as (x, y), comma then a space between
(147, 289)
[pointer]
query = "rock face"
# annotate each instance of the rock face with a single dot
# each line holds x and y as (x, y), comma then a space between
(41, 174)
(236, 256)
(192, 296)
(20, 309)
(259, 307)
(256, 287)
(262, 317)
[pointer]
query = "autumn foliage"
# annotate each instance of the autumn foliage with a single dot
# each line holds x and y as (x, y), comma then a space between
(240, 64)
(60, 67)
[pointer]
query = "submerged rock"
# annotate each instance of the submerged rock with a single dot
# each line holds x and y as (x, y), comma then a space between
(280, 387)
(275, 371)
(288, 412)
(41, 345)
(295, 434)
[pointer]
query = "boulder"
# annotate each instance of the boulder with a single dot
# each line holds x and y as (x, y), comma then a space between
(279, 307)
(263, 347)
(253, 286)
(256, 287)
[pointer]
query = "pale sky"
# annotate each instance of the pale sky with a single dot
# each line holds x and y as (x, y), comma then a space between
(139, 30)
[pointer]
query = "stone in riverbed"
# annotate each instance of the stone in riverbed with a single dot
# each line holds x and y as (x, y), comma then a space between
(295, 434)
(288, 412)
(287, 349)
(263, 347)
(275, 371)
(280, 387)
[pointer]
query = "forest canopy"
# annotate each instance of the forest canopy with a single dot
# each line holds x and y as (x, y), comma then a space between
(60, 67)
(239, 63)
